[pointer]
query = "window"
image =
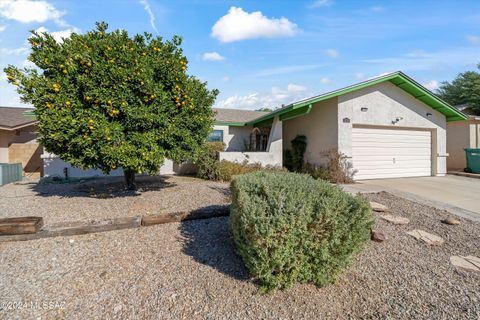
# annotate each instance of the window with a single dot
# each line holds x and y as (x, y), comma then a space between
(215, 136)
(259, 139)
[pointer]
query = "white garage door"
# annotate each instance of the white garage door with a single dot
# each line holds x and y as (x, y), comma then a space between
(391, 153)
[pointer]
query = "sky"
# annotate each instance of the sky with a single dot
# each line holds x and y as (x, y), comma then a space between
(268, 53)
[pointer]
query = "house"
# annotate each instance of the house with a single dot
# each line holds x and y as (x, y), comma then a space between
(461, 135)
(388, 127)
(18, 142)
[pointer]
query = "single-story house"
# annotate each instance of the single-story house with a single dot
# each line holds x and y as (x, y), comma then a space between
(460, 135)
(388, 127)
(18, 142)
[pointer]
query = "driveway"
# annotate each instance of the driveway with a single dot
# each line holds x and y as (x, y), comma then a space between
(458, 195)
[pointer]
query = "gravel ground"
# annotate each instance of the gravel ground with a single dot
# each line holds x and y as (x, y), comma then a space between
(189, 271)
(102, 198)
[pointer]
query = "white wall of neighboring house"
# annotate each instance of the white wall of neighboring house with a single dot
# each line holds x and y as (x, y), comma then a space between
(461, 135)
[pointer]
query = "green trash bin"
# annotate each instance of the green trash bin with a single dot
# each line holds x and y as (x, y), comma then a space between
(473, 160)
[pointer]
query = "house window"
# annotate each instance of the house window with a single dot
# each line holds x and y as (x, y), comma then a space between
(215, 136)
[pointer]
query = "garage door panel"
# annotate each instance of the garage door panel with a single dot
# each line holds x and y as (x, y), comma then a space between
(385, 153)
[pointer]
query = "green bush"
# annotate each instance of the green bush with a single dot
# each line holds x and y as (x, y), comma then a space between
(289, 228)
(206, 160)
(227, 170)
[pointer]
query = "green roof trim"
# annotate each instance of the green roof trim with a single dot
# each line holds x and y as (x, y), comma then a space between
(230, 124)
(398, 78)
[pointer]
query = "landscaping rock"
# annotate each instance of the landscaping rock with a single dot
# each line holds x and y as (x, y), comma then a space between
(378, 235)
(451, 221)
(428, 238)
(395, 219)
(468, 263)
(378, 207)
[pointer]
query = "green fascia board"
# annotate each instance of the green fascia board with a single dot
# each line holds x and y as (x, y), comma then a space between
(296, 112)
(230, 124)
(398, 78)
(263, 123)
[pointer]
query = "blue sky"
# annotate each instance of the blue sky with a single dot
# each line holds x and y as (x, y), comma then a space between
(269, 53)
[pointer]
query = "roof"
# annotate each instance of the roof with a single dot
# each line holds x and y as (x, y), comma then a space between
(226, 116)
(14, 118)
(398, 78)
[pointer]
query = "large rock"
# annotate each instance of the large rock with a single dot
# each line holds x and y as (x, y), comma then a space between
(466, 263)
(378, 207)
(395, 219)
(378, 235)
(428, 238)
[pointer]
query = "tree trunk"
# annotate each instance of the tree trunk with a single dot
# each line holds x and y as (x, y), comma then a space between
(129, 176)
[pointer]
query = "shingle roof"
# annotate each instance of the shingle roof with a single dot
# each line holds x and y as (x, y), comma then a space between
(237, 115)
(11, 118)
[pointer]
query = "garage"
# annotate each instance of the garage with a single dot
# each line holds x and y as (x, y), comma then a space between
(391, 153)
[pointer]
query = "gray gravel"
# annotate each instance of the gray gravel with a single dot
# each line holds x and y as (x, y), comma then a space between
(189, 271)
(103, 198)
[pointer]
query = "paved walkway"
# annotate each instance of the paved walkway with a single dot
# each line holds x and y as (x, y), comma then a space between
(458, 195)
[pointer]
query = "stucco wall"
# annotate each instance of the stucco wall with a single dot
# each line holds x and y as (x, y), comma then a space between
(460, 135)
(235, 138)
(386, 102)
(53, 167)
(272, 157)
(320, 128)
(24, 135)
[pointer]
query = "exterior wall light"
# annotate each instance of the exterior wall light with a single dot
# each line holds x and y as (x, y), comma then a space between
(429, 114)
(364, 109)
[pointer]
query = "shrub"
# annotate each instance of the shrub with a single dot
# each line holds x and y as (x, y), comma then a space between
(227, 170)
(293, 158)
(206, 160)
(339, 169)
(289, 228)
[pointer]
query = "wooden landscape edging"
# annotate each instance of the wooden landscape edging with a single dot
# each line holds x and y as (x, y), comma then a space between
(81, 227)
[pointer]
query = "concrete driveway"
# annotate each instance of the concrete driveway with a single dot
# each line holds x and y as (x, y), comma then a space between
(458, 195)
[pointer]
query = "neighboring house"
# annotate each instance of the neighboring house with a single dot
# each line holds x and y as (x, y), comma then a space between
(18, 140)
(388, 127)
(461, 135)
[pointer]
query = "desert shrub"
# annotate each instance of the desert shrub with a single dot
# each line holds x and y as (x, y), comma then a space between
(293, 159)
(206, 160)
(289, 227)
(227, 170)
(339, 169)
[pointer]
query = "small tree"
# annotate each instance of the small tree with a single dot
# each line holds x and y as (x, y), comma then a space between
(464, 89)
(105, 100)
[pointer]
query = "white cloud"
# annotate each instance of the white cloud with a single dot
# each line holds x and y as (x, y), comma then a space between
(273, 99)
(292, 87)
(148, 9)
(59, 35)
(226, 79)
(240, 25)
(26, 11)
(2, 28)
(379, 75)
(419, 53)
(287, 69)
(332, 53)
(325, 81)
(13, 51)
(473, 39)
(212, 56)
(432, 85)
(321, 3)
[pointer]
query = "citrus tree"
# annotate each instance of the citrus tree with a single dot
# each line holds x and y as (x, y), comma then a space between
(105, 100)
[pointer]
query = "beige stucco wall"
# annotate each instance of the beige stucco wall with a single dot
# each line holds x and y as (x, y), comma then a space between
(460, 135)
(386, 102)
(319, 126)
(235, 138)
(24, 135)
